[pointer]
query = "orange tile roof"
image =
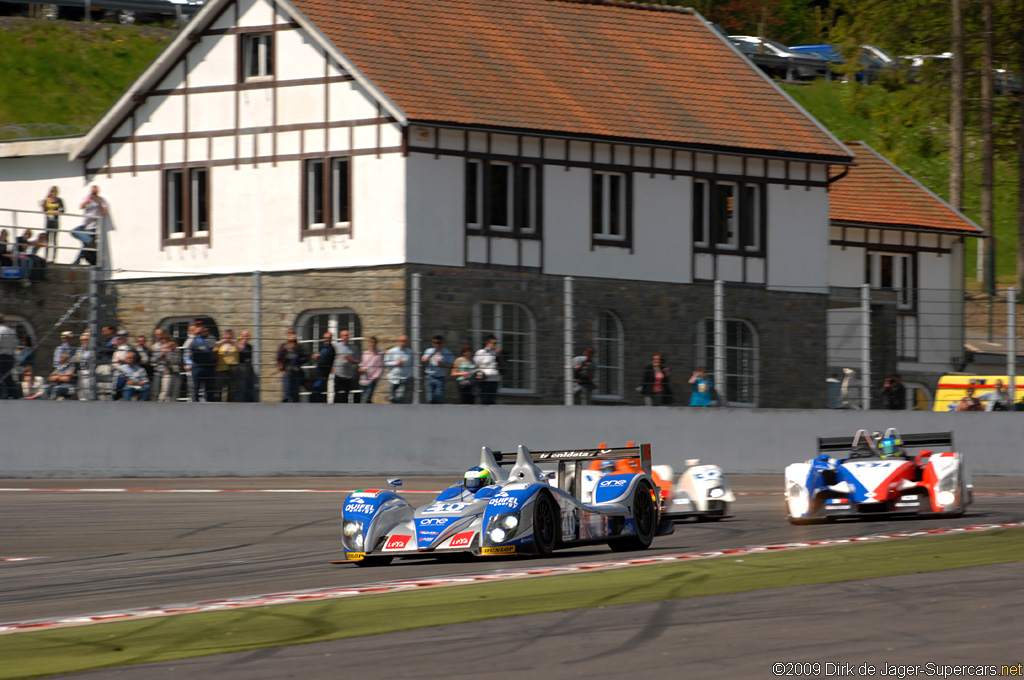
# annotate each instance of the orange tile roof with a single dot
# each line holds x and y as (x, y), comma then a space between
(613, 69)
(877, 193)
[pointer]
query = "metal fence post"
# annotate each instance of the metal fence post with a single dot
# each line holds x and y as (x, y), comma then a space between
(1011, 342)
(567, 344)
(415, 340)
(94, 331)
(719, 320)
(865, 347)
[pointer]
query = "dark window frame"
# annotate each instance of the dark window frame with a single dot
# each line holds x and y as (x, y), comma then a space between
(598, 231)
(525, 199)
(751, 225)
(328, 204)
(245, 39)
(186, 207)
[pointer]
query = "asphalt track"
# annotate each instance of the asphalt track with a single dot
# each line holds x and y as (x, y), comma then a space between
(104, 550)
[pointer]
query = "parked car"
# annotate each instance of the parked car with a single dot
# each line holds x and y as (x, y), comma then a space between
(122, 11)
(777, 60)
(871, 59)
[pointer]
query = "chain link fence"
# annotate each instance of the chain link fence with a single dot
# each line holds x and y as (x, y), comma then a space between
(793, 348)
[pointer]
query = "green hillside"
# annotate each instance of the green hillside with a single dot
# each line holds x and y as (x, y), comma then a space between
(909, 126)
(60, 76)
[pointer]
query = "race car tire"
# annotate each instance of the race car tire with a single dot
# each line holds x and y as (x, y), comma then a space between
(375, 561)
(545, 525)
(802, 521)
(645, 517)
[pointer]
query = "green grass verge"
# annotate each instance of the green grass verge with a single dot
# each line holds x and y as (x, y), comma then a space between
(38, 654)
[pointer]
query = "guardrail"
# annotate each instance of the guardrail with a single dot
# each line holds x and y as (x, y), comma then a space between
(127, 9)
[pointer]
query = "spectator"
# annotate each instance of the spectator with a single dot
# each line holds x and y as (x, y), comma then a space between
(203, 362)
(186, 360)
(657, 382)
(399, 359)
(135, 383)
(703, 387)
(246, 367)
(463, 373)
(53, 206)
(227, 377)
(94, 207)
(143, 356)
(7, 257)
(439, 361)
(346, 368)
(84, 368)
(894, 393)
(31, 384)
(155, 376)
(167, 366)
(62, 381)
(8, 348)
(371, 367)
(997, 399)
(63, 348)
(583, 377)
(118, 359)
(969, 402)
(290, 360)
(324, 360)
(27, 248)
(487, 376)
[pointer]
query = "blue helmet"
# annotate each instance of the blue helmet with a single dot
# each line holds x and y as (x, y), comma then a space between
(477, 478)
(892, 446)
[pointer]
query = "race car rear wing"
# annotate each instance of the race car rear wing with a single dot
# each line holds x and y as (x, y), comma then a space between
(641, 451)
(916, 440)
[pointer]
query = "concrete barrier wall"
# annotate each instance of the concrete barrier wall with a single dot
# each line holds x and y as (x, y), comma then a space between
(116, 439)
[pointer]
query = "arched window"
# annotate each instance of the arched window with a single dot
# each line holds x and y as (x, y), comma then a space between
(608, 345)
(177, 327)
(311, 326)
(741, 359)
(514, 327)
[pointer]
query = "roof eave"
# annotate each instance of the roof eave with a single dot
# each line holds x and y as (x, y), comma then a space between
(896, 226)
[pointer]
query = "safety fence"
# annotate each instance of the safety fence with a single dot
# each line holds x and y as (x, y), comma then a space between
(793, 347)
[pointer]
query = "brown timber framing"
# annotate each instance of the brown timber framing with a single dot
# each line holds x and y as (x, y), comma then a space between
(255, 160)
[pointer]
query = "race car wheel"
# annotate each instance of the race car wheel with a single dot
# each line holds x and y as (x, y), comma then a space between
(375, 561)
(545, 525)
(714, 517)
(645, 517)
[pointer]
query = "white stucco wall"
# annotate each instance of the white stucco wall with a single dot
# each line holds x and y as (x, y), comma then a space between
(798, 238)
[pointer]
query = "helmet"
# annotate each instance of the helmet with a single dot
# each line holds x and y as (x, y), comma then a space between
(892, 446)
(477, 478)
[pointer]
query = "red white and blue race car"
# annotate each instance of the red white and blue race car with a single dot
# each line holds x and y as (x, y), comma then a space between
(882, 475)
(518, 510)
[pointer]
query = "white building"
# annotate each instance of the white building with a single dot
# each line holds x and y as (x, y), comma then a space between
(473, 138)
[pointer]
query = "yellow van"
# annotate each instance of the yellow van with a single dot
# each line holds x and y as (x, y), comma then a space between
(953, 387)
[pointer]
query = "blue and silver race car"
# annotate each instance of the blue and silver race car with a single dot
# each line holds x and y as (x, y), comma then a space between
(510, 506)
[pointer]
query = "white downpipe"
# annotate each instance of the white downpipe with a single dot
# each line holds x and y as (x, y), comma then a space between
(414, 341)
(865, 347)
(719, 318)
(567, 342)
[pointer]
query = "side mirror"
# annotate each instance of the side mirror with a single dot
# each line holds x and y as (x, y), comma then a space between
(395, 482)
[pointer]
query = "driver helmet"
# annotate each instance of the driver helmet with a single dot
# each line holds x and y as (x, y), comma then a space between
(477, 478)
(892, 446)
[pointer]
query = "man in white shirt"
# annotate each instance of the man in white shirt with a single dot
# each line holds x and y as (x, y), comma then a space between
(399, 360)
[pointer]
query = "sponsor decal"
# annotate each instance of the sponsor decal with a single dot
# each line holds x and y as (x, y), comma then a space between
(423, 533)
(397, 542)
(358, 505)
(463, 540)
(707, 474)
(367, 492)
(915, 504)
(355, 556)
(432, 521)
(445, 508)
(554, 455)
(614, 482)
(504, 500)
(498, 549)
(836, 501)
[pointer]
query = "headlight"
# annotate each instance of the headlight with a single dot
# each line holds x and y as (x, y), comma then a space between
(503, 527)
(352, 534)
(716, 492)
(796, 496)
(946, 492)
